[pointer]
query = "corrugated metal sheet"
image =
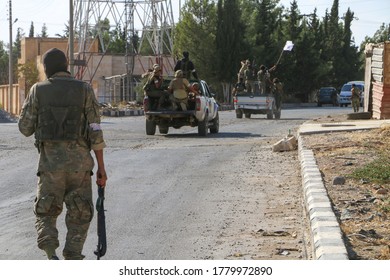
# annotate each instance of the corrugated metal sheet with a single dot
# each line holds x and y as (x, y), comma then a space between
(381, 81)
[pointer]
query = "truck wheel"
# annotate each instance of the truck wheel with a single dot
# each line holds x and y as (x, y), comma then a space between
(215, 127)
(163, 129)
(202, 126)
(239, 114)
(248, 115)
(150, 127)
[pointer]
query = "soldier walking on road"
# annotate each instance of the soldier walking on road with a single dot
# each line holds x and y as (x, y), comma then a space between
(63, 114)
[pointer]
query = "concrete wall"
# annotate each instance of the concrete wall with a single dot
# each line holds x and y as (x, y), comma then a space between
(16, 101)
(378, 71)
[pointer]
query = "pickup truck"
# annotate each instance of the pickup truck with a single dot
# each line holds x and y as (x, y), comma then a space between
(202, 112)
(248, 103)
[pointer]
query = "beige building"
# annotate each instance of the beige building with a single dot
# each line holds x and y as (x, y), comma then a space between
(106, 73)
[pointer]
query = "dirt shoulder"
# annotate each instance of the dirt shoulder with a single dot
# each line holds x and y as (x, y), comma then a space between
(361, 205)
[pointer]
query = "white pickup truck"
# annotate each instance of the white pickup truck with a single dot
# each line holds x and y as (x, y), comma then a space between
(248, 104)
(202, 112)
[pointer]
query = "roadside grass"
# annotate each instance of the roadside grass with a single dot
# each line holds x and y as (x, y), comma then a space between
(377, 171)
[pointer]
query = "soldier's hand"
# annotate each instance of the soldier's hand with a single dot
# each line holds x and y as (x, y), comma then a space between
(101, 177)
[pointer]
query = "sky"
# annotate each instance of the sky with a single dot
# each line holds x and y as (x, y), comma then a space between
(369, 15)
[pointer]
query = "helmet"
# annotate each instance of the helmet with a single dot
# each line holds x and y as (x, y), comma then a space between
(156, 68)
(179, 74)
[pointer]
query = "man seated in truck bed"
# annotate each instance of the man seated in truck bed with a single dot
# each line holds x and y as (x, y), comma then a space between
(179, 88)
(162, 97)
(153, 87)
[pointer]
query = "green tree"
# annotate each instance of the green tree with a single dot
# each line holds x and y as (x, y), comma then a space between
(380, 36)
(350, 54)
(228, 41)
(4, 60)
(195, 33)
(44, 31)
(265, 48)
(31, 32)
(29, 72)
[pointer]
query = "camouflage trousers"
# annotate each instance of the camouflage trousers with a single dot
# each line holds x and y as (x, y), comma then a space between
(75, 190)
(355, 104)
(250, 86)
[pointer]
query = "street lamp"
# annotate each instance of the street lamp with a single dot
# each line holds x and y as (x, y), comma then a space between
(10, 62)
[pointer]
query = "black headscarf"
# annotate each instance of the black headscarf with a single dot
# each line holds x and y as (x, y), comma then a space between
(54, 61)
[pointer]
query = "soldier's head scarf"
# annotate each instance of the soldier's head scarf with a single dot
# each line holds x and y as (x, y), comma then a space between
(54, 60)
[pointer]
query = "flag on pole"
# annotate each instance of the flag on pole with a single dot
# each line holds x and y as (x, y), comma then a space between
(289, 46)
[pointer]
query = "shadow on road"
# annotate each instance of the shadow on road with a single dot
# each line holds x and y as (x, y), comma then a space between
(214, 135)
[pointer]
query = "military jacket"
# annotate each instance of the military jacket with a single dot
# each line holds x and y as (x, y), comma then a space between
(63, 114)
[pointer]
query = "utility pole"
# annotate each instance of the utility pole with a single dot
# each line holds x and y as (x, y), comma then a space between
(71, 39)
(10, 67)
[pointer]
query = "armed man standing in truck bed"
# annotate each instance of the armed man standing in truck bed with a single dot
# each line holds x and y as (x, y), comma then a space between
(63, 114)
(186, 66)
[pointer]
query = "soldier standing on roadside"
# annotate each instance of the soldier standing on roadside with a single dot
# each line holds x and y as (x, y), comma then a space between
(355, 91)
(63, 114)
(277, 90)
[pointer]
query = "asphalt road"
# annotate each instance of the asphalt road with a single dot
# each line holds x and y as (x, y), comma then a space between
(177, 196)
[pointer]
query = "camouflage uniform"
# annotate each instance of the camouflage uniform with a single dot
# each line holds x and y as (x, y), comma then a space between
(63, 114)
(241, 72)
(263, 78)
(250, 78)
(152, 87)
(277, 90)
(179, 88)
(239, 87)
(355, 98)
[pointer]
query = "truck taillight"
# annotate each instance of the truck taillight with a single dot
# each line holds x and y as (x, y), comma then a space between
(235, 99)
(146, 104)
(198, 107)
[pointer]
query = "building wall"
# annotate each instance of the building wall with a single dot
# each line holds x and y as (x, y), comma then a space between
(98, 68)
(379, 73)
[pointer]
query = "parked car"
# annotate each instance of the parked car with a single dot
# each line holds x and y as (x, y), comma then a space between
(327, 95)
(344, 98)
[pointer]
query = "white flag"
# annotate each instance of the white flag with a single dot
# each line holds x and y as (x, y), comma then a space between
(289, 46)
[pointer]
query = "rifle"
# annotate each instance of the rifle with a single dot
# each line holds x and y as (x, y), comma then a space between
(101, 225)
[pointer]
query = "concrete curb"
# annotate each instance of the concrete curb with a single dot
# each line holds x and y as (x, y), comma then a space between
(326, 235)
